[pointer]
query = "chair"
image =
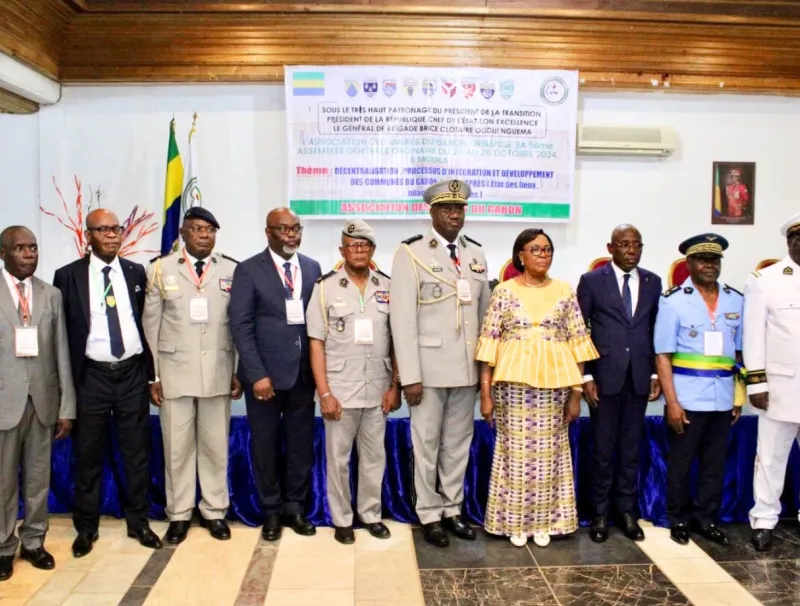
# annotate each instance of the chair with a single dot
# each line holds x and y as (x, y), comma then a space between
(508, 271)
(678, 272)
(764, 263)
(599, 262)
(338, 265)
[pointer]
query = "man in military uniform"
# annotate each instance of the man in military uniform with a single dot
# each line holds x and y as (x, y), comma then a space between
(351, 357)
(439, 294)
(736, 193)
(772, 355)
(698, 342)
(186, 325)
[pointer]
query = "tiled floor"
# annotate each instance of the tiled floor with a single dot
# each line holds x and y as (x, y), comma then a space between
(406, 571)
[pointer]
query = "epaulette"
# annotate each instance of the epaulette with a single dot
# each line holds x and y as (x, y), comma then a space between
(731, 288)
(413, 239)
(327, 275)
(757, 274)
(671, 291)
(154, 259)
(387, 276)
(232, 260)
(468, 239)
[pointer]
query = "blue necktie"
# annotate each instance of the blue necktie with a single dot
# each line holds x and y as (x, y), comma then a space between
(627, 299)
(112, 315)
(288, 283)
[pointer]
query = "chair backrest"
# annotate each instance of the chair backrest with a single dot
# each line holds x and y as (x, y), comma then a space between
(764, 263)
(599, 262)
(338, 265)
(678, 272)
(508, 271)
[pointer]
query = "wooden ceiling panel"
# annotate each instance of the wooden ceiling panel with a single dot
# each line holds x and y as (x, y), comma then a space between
(14, 104)
(33, 32)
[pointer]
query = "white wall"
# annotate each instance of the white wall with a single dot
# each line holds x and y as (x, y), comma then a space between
(19, 171)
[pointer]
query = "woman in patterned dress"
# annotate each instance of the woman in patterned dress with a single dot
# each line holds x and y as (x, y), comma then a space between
(532, 348)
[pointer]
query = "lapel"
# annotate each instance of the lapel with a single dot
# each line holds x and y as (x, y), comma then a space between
(211, 272)
(81, 277)
(7, 305)
(275, 282)
(441, 255)
(696, 299)
(645, 284)
(308, 283)
(130, 282)
(39, 301)
(612, 286)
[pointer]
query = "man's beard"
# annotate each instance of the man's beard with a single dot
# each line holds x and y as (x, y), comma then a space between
(290, 250)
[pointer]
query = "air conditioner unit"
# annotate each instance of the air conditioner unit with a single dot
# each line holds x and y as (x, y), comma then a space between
(625, 140)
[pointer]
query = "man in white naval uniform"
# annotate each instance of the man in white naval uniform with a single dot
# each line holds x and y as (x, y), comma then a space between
(772, 357)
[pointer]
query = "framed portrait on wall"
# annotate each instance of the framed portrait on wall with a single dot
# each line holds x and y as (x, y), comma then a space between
(733, 195)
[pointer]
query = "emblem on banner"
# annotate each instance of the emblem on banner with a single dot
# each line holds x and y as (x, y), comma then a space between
(351, 87)
(469, 87)
(410, 85)
(389, 87)
(429, 88)
(488, 89)
(554, 91)
(370, 87)
(449, 88)
(507, 89)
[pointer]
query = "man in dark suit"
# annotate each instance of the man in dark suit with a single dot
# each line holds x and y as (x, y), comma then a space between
(619, 303)
(103, 299)
(267, 318)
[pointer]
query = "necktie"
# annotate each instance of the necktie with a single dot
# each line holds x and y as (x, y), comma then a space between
(288, 283)
(20, 310)
(453, 254)
(198, 267)
(112, 315)
(627, 299)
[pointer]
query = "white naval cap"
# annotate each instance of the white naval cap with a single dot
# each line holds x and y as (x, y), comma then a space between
(792, 226)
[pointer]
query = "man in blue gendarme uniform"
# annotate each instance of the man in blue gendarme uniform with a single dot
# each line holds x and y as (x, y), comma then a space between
(698, 343)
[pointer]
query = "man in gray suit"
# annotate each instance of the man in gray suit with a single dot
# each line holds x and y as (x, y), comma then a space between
(439, 294)
(37, 398)
(185, 323)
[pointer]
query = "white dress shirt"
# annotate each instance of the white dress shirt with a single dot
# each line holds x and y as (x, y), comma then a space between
(12, 286)
(633, 283)
(98, 345)
(297, 273)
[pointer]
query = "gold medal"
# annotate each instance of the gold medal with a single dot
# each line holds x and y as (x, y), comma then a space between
(111, 301)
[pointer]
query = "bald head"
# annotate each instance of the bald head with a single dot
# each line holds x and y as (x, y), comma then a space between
(101, 216)
(284, 232)
(625, 247)
(622, 229)
(10, 234)
(104, 234)
(19, 251)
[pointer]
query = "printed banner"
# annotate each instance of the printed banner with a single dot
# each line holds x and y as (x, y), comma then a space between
(368, 140)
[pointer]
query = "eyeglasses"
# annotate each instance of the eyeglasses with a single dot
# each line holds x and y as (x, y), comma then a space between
(358, 246)
(104, 230)
(451, 209)
(540, 251)
(635, 246)
(285, 230)
(201, 229)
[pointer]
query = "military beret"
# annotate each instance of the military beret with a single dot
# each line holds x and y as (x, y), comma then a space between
(448, 192)
(198, 212)
(792, 226)
(703, 244)
(358, 228)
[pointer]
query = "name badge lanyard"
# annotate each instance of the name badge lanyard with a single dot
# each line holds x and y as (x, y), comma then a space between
(198, 280)
(105, 298)
(712, 312)
(26, 307)
(287, 281)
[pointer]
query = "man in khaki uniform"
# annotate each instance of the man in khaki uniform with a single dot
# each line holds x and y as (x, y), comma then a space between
(186, 326)
(439, 294)
(351, 357)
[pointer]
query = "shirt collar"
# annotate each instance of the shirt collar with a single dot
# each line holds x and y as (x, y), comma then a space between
(442, 240)
(619, 273)
(97, 264)
(12, 280)
(194, 260)
(279, 261)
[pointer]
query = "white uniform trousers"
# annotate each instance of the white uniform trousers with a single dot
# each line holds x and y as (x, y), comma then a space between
(195, 433)
(775, 440)
(367, 426)
(441, 434)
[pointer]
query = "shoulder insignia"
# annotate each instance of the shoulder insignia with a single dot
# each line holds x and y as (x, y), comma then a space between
(788, 271)
(231, 259)
(413, 239)
(757, 274)
(731, 288)
(468, 239)
(387, 276)
(688, 290)
(671, 291)
(327, 275)
(156, 258)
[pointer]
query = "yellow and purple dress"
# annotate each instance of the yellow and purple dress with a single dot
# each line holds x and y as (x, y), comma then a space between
(534, 338)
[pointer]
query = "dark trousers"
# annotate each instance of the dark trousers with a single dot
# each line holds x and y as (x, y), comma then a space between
(123, 392)
(296, 407)
(617, 425)
(706, 437)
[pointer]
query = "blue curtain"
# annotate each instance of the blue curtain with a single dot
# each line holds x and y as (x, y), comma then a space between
(397, 501)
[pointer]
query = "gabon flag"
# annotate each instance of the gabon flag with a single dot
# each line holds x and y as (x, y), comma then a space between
(173, 191)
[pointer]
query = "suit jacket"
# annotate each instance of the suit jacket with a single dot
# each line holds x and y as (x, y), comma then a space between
(267, 345)
(73, 282)
(47, 378)
(620, 341)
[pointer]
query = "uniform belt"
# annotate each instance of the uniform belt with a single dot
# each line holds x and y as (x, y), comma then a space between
(697, 365)
(121, 365)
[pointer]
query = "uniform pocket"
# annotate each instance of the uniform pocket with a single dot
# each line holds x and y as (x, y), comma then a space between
(425, 341)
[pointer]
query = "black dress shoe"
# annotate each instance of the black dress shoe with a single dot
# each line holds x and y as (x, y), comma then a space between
(459, 528)
(711, 532)
(176, 532)
(378, 530)
(216, 528)
(598, 532)
(435, 534)
(82, 545)
(145, 536)
(39, 558)
(271, 531)
(345, 535)
(680, 533)
(299, 524)
(631, 528)
(6, 567)
(762, 539)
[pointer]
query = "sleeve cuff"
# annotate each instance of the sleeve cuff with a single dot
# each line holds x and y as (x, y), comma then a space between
(654, 377)
(757, 388)
(587, 378)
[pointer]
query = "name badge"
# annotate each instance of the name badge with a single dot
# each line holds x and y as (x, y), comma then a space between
(712, 343)
(294, 312)
(26, 341)
(198, 310)
(363, 331)
(463, 290)
(225, 284)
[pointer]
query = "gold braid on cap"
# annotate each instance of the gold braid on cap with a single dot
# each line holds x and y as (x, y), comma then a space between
(448, 196)
(793, 229)
(704, 247)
